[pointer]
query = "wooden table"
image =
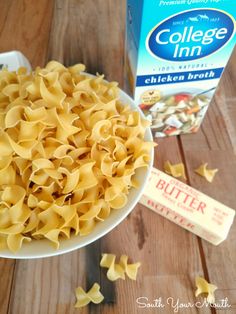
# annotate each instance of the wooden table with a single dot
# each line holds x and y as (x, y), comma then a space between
(92, 32)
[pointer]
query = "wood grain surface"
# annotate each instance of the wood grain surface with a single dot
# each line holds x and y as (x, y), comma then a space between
(92, 32)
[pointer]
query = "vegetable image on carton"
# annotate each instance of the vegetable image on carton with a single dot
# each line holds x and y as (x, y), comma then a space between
(176, 52)
(187, 207)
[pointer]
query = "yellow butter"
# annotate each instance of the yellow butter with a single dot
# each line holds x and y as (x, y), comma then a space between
(187, 207)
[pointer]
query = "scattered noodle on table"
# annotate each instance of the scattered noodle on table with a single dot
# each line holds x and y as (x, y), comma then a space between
(69, 152)
(204, 287)
(176, 170)
(116, 271)
(208, 174)
(84, 298)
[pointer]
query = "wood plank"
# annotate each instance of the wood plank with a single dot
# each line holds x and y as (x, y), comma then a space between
(14, 19)
(91, 40)
(48, 285)
(215, 144)
(6, 270)
(30, 23)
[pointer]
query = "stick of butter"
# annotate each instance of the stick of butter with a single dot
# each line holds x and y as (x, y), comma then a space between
(187, 207)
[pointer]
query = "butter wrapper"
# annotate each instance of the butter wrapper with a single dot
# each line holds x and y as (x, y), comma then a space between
(187, 207)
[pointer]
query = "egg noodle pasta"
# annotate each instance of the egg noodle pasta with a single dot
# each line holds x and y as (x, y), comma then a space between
(204, 287)
(69, 150)
(208, 174)
(118, 270)
(175, 170)
(84, 298)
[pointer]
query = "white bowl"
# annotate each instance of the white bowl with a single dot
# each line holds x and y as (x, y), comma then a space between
(43, 248)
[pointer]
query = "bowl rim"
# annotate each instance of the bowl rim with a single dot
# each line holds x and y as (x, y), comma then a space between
(88, 239)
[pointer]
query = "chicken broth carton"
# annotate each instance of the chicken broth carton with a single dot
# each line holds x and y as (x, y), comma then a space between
(176, 52)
